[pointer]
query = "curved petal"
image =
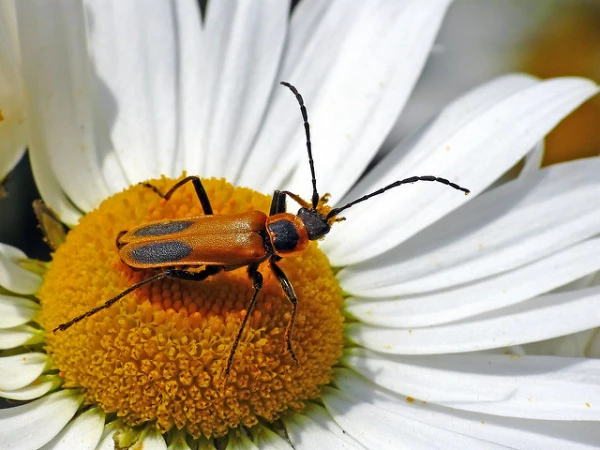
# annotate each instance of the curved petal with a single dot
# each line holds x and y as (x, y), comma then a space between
(12, 276)
(505, 431)
(17, 371)
(104, 122)
(106, 440)
(534, 159)
(82, 433)
(191, 66)
(315, 428)
(147, 56)
(532, 387)
(58, 79)
(13, 128)
(243, 46)
(21, 335)
(39, 387)
(474, 154)
(377, 427)
(16, 311)
(537, 319)
(50, 189)
(151, 439)
(34, 424)
(487, 294)
(355, 87)
(572, 345)
(487, 236)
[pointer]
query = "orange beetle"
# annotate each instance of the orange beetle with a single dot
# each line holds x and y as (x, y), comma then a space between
(227, 242)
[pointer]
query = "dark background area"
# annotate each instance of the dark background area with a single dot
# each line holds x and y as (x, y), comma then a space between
(18, 225)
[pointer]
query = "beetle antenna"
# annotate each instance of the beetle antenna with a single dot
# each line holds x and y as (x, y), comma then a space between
(335, 211)
(315, 194)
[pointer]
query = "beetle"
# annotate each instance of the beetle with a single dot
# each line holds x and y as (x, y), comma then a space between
(215, 243)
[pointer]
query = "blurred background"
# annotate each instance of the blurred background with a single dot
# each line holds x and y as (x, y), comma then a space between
(479, 40)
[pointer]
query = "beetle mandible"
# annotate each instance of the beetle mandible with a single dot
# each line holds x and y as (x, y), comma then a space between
(228, 242)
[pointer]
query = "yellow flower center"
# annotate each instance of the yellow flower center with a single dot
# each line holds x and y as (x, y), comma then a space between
(159, 354)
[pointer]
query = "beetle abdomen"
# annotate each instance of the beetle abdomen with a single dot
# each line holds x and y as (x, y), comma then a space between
(222, 240)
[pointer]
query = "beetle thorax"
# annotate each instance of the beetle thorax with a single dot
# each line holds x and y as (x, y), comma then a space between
(288, 234)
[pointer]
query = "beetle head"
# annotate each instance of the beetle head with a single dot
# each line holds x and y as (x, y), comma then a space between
(316, 223)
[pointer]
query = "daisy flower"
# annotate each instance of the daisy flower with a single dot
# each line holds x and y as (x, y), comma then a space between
(410, 312)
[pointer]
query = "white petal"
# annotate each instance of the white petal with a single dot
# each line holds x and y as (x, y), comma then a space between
(510, 432)
(532, 387)
(355, 87)
(315, 428)
(21, 335)
(106, 441)
(58, 79)
(533, 160)
(150, 439)
(34, 424)
(537, 319)
(238, 441)
(375, 427)
(50, 189)
(487, 294)
(82, 433)
(41, 386)
(559, 204)
(13, 127)
(16, 310)
(12, 276)
(139, 49)
(473, 155)
(243, 46)
(593, 347)
(456, 114)
(192, 64)
(577, 344)
(17, 371)
(264, 438)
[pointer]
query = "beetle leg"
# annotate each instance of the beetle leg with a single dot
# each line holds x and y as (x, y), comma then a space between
(200, 192)
(194, 276)
(291, 295)
(171, 273)
(257, 281)
(278, 203)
